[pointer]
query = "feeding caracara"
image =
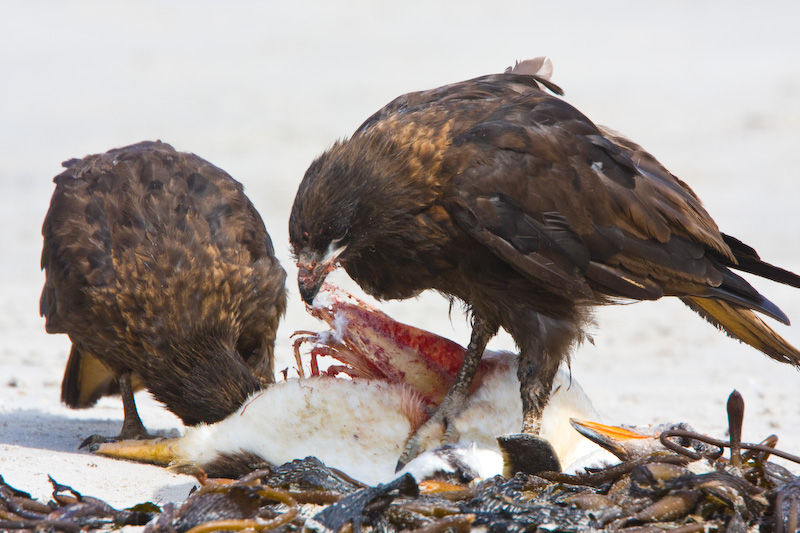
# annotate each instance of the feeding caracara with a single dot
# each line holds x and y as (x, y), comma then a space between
(494, 192)
(163, 275)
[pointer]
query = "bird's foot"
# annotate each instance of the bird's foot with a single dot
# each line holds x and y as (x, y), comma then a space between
(527, 454)
(92, 441)
(438, 424)
(132, 429)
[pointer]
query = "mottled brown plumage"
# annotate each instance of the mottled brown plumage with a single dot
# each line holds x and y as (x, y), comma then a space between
(499, 194)
(162, 273)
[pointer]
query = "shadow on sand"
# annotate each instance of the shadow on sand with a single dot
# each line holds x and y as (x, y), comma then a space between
(46, 431)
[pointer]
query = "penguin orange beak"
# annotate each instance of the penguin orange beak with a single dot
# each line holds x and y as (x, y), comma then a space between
(615, 439)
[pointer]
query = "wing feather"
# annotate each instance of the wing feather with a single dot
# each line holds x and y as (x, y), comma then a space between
(579, 208)
(549, 255)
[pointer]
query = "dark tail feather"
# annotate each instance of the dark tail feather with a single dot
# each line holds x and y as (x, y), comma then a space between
(743, 324)
(737, 291)
(749, 261)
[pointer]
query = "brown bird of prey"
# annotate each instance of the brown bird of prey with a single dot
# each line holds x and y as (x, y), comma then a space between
(509, 199)
(163, 275)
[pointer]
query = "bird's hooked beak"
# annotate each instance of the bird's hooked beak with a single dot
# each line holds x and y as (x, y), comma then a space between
(313, 268)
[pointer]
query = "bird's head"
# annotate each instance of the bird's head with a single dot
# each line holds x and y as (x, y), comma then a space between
(357, 197)
(328, 204)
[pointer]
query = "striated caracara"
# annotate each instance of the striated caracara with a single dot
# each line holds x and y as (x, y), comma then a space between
(163, 275)
(509, 199)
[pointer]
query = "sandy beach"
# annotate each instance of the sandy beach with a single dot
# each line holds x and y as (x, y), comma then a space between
(259, 89)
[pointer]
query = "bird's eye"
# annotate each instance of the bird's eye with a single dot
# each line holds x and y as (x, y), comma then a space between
(338, 236)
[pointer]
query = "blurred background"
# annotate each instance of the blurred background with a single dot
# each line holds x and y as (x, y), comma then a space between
(259, 88)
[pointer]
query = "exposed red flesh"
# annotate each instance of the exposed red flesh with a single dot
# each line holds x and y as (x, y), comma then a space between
(378, 347)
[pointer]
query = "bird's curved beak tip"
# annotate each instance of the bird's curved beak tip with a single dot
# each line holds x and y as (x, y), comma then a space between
(313, 268)
(307, 295)
(309, 286)
(310, 276)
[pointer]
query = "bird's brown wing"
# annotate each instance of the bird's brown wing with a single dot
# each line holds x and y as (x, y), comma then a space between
(77, 250)
(590, 215)
(577, 208)
(585, 212)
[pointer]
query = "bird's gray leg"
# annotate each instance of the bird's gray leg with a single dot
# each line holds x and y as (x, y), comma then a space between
(132, 427)
(535, 384)
(453, 403)
(543, 344)
(539, 358)
(527, 452)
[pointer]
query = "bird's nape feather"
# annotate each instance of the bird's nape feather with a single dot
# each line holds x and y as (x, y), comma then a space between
(540, 69)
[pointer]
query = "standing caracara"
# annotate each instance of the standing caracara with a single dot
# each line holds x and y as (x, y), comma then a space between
(501, 195)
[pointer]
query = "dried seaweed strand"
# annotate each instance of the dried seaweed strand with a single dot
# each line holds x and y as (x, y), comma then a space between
(664, 438)
(59, 525)
(612, 472)
(279, 495)
(460, 523)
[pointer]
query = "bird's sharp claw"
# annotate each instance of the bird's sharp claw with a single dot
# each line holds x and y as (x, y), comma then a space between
(436, 424)
(93, 442)
(451, 435)
(412, 449)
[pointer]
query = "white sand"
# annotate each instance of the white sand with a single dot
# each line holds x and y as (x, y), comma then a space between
(712, 89)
